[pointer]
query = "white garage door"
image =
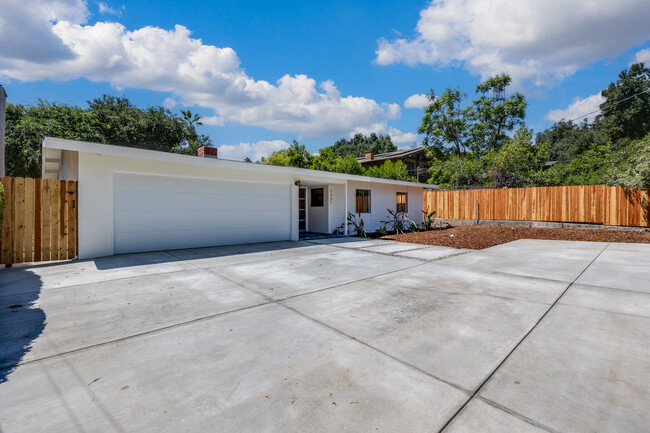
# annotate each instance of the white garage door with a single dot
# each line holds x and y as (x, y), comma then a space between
(158, 212)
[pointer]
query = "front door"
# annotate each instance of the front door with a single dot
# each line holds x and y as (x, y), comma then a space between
(302, 210)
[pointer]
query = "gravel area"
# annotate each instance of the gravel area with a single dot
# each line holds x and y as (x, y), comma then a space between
(479, 237)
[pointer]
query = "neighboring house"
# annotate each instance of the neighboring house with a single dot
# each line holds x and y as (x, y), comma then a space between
(415, 159)
(133, 200)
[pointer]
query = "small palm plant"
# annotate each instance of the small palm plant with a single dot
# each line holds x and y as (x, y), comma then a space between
(428, 220)
(397, 221)
(357, 224)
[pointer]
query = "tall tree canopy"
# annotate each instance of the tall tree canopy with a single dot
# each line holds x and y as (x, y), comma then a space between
(358, 145)
(494, 114)
(108, 119)
(480, 127)
(445, 122)
(625, 114)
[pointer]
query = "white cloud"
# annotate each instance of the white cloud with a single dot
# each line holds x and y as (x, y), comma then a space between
(169, 103)
(578, 109)
(172, 61)
(400, 137)
(26, 29)
(419, 100)
(213, 120)
(254, 151)
(541, 41)
(643, 56)
(105, 9)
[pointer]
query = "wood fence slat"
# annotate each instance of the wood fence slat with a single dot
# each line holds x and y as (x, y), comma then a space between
(45, 219)
(63, 232)
(19, 220)
(7, 224)
(70, 242)
(29, 220)
(38, 227)
(55, 202)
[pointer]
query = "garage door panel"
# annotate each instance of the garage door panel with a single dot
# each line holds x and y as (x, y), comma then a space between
(144, 222)
(136, 200)
(160, 212)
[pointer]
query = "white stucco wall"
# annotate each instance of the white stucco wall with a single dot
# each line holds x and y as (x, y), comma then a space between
(336, 211)
(383, 197)
(96, 201)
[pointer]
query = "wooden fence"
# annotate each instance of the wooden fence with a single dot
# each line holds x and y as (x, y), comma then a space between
(578, 204)
(40, 220)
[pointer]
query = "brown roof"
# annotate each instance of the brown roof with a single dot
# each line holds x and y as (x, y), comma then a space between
(394, 155)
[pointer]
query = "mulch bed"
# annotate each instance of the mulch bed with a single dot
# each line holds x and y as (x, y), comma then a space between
(477, 237)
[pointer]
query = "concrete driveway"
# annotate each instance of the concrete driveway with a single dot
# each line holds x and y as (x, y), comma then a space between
(333, 335)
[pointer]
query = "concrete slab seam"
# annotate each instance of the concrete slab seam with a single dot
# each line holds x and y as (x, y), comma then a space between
(444, 427)
(313, 291)
(517, 415)
(476, 294)
(396, 254)
(381, 352)
(636, 316)
(132, 336)
(177, 260)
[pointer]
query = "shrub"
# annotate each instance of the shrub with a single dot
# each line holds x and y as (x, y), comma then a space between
(357, 224)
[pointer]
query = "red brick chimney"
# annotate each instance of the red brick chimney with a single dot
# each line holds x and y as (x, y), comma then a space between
(207, 152)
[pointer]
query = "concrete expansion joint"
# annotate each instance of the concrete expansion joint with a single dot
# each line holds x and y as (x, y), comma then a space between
(396, 254)
(381, 352)
(475, 393)
(130, 337)
(177, 260)
(516, 415)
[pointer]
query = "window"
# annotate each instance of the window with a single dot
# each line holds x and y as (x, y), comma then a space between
(410, 168)
(363, 201)
(317, 197)
(402, 204)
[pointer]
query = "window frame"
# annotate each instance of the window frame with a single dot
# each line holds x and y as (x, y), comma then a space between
(365, 195)
(405, 203)
(322, 197)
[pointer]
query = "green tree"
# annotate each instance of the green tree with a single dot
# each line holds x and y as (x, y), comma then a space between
(358, 145)
(635, 171)
(445, 122)
(121, 123)
(517, 163)
(27, 126)
(350, 165)
(326, 160)
(457, 171)
(591, 167)
(192, 140)
(494, 114)
(625, 114)
(295, 155)
(566, 140)
(480, 127)
(390, 170)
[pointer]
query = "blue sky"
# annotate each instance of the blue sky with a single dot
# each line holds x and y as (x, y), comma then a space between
(264, 73)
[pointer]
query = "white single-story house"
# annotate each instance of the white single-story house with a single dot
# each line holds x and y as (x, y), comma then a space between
(135, 200)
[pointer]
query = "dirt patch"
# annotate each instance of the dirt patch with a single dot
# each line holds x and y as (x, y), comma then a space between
(479, 237)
